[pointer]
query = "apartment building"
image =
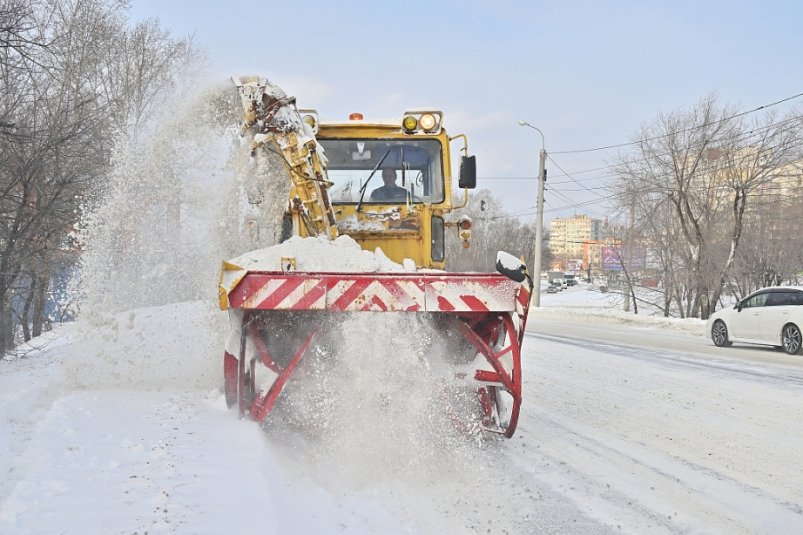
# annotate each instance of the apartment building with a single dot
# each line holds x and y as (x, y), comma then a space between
(566, 236)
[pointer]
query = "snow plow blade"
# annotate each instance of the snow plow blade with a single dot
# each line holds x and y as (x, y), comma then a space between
(489, 311)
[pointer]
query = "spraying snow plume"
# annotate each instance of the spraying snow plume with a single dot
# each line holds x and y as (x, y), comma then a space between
(377, 402)
(182, 196)
(179, 199)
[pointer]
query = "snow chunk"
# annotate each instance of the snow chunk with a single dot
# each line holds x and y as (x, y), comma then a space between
(352, 224)
(318, 254)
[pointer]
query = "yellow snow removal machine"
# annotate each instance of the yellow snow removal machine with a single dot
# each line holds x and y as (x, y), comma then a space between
(388, 186)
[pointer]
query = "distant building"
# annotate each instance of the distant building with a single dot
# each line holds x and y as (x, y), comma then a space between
(786, 182)
(566, 236)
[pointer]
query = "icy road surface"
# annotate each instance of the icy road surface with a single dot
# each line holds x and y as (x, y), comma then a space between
(658, 431)
(624, 429)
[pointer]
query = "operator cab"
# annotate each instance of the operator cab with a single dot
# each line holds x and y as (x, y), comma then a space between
(391, 183)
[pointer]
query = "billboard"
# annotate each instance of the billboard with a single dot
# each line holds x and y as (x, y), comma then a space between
(574, 265)
(611, 258)
(614, 255)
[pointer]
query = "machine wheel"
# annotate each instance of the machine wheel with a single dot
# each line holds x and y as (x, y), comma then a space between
(791, 338)
(719, 334)
(249, 384)
(230, 379)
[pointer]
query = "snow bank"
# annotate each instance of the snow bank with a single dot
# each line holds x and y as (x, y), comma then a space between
(153, 348)
(586, 303)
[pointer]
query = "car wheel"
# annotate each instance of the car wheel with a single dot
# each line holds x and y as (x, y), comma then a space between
(791, 338)
(719, 334)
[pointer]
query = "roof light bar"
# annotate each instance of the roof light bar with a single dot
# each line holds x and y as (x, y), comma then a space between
(422, 121)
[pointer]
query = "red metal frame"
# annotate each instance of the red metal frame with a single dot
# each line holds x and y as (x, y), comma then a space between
(501, 377)
(487, 306)
(264, 402)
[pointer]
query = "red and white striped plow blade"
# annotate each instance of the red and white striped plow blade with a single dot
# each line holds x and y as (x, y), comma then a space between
(386, 292)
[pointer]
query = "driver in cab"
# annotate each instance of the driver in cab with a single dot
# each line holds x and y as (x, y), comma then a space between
(390, 191)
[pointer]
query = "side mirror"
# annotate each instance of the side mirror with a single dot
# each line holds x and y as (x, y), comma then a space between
(510, 266)
(468, 172)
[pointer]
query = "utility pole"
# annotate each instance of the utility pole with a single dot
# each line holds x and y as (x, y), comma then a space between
(629, 255)
(539, 217)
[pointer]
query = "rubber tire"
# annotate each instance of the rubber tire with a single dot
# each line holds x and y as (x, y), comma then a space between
(791, 338)
(230, 372)
(719, 334)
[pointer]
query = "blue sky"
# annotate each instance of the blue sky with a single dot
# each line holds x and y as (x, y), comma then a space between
(588, 74)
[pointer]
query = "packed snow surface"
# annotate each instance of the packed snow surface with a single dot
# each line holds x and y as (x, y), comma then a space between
(120, 426)
(117, 424)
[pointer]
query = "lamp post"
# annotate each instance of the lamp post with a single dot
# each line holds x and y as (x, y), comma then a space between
(539, 216)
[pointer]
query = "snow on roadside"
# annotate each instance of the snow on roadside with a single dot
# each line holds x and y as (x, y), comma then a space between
(150, 349)
(586, 303)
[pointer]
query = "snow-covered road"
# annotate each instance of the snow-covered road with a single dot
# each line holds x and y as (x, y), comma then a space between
(652, 431)
(624, 429)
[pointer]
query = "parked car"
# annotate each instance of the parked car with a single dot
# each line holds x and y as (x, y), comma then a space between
(552, 289)
(770, 316)
(559, 284)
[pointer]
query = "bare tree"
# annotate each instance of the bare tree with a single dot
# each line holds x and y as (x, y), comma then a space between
(706, 163)
(494, 229)
(73, 77)
(772, 251)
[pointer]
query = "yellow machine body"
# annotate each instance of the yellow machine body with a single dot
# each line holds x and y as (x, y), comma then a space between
(409, 226)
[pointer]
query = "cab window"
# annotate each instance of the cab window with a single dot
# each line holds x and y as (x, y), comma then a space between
(356, 167)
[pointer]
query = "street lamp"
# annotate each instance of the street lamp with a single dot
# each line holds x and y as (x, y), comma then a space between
(539, 217)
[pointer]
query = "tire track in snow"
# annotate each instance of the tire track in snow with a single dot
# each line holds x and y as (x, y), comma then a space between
(638, 488)
(677, 359)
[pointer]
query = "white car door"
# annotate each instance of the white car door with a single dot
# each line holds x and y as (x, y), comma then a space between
(745, 323)
(775, 313)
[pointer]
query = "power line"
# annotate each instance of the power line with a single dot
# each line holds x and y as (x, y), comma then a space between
(730, 138)
(719, 121)
(648, 188)
(570, 176)
(744, 136)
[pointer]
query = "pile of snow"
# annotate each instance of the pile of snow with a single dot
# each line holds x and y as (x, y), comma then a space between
(318, 254)
(153, 348)
(587, 303)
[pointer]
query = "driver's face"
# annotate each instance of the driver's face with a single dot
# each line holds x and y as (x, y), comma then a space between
(389, 177)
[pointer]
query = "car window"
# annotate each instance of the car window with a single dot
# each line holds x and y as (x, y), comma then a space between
(755, 301)
(778, 299)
